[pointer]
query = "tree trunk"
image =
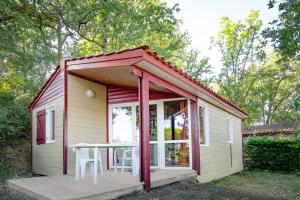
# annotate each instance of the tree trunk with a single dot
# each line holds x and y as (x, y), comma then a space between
(59, 41)
(104, 42)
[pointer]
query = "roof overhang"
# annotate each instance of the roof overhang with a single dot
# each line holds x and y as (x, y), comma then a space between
(190, 87)
(116, 69)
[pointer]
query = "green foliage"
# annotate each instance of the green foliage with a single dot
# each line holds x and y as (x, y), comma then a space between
(284, 32)
(123, 24)
(238, 44)
(14, 118)
(253, 77)
(275, 90)
(35, 35)
(273, 154)
(168, 133)
(5, 170)
(197, 68)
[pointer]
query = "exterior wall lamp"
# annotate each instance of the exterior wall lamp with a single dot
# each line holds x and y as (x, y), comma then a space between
(90, 93)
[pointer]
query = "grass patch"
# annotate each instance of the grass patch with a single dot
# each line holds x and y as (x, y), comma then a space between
(277, 185)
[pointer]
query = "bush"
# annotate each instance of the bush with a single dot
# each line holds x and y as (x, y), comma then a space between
(14, 117)
(273, 154)
(5, 170)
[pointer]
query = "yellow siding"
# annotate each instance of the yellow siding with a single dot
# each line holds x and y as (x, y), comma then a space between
(215, 158)
(47, 158)
(86, 116)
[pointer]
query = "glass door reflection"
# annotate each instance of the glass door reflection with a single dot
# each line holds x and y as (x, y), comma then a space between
(176, 133)
(153, 133)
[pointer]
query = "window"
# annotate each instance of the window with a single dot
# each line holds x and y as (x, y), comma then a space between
(203, 125)
(229, 130)
(50, 125)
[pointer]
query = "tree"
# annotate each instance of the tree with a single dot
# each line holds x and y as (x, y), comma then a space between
(254, 77)
(238, 44)
(124, 24)
(277, 90)
(34, 35)
(198, 68)
(284, 32)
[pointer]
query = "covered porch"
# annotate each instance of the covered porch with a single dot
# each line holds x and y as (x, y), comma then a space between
(146, 105)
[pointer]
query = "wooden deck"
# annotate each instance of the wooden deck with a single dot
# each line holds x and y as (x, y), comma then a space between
(109, 186)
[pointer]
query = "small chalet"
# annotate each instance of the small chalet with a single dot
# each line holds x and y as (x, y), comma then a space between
(128, 120)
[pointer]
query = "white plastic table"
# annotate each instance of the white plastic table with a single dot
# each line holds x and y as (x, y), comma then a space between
(76, 148)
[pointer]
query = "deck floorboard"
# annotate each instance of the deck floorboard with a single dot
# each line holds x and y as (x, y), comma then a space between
(109, 186)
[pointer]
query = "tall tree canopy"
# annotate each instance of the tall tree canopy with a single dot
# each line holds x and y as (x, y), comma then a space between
(34, 35)
(275, 90)
(253, 76)
(238, 44)
(284, 32)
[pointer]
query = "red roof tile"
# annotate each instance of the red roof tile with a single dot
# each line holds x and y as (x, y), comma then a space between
(272, 129)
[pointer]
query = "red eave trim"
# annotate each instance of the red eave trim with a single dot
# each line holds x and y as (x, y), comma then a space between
(102, 64)
(160, 62)
(118, 55)
(44, 88)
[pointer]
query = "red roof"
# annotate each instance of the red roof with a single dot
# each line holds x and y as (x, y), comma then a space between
(272, 129)
(176, 69)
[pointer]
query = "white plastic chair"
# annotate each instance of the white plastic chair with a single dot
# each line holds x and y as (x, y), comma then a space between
(85, 159)
(126, 158)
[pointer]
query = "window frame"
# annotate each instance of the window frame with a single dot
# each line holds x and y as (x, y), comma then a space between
(48, 118)
(229, 137)
(206, 123)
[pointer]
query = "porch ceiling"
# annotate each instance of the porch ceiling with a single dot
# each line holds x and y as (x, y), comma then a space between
(116, 76)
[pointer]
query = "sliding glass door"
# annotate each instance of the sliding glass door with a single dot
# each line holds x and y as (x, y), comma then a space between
(154, 149)
(122, 129)
(125, 129)
(169, 131)
(176, 134)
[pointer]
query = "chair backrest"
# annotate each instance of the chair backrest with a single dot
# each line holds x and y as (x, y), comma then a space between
(84, 152)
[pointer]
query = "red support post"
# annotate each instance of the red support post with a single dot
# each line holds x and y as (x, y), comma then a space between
(65, 118)
(195, 137)
(144, 131)
(107, 129)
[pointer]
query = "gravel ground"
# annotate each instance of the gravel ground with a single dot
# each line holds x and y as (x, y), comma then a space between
(6, 195)
(190, 189)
